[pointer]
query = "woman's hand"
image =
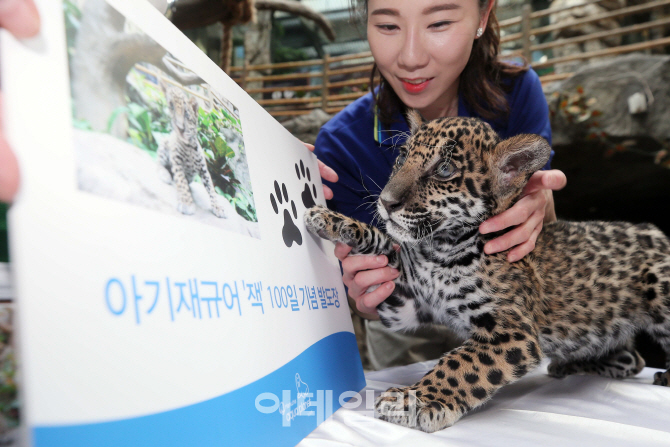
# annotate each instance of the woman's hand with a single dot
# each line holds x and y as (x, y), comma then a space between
(535, 207)
(326, 173)
(20, 18)
(362, 272)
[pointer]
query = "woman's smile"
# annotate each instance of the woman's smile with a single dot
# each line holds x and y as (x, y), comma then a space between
(415, 85)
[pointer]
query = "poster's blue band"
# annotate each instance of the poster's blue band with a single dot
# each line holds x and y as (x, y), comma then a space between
(231, 419)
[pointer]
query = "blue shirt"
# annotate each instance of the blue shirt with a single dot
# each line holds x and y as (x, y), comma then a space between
(363, 154)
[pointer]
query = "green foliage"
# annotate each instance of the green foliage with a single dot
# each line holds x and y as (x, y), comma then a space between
(72, 19)
(218, 154)
(282, 53)
(145, 121)
(141, 126)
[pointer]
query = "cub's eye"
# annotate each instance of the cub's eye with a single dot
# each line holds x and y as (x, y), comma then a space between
(445, 170)
(401, 159)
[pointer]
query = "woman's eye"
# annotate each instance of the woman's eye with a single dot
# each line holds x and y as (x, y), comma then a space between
(445, 170)
(387, 27)
(441, 24)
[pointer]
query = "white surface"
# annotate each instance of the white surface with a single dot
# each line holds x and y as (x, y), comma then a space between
(535, 411)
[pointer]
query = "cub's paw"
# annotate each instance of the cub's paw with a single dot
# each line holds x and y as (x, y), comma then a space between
(330, 225)
(218, 211)
(557, 371)
(186, 207)
(164, 175)
(409, 408)
(316, 219)
(662, 378)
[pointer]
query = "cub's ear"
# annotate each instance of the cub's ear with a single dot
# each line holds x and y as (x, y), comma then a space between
(515, 159)
(415, 120)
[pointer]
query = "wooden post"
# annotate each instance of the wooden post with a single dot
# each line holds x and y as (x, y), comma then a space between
(245, 70)
(525, 31)
(324, 82)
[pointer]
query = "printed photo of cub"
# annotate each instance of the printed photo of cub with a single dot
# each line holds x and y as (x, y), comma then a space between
(148, 130)
(181, 155)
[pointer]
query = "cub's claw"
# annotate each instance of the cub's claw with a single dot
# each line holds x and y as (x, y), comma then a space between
(404, 407)
(662, 378)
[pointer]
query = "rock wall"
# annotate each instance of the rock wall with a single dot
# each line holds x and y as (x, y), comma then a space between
(630, 94)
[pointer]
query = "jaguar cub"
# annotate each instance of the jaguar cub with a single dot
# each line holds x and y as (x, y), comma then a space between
(181, 155)
(579, 298)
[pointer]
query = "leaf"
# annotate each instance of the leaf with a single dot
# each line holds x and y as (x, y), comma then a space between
(145, 121)
(115, 113)
(222, 148)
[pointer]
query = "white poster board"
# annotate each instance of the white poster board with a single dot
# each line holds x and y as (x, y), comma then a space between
(144, 317)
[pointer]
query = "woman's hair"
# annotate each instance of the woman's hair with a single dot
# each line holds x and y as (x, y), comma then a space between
(484, 91)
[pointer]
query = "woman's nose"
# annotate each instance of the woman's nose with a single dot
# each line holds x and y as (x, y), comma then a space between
(413, 54)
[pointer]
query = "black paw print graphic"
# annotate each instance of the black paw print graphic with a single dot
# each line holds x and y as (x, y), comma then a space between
(290, 232)
(308, 195)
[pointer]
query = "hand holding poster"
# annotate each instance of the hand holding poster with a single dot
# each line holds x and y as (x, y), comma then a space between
(167, 291)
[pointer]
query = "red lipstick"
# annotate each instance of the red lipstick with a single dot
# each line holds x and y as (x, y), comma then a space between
(413, 86)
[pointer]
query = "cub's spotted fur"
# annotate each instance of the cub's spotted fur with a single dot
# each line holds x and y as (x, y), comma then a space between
(181, 153)
(578, 298)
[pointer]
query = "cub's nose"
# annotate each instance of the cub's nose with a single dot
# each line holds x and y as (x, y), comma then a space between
(390, 203)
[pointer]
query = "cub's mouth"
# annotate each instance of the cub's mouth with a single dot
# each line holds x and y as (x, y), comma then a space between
(400, 232)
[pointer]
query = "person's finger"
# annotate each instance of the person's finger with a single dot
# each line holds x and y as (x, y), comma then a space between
(514, 237)
(342, 251)
(308, 146)
(327, 173)
(522, 250)
(368, 278)
(19, 17)
(351, 265)
(9, 167)
(518, 214)
(327, 192)
(368, 302)
(9, 172)
(552, 179)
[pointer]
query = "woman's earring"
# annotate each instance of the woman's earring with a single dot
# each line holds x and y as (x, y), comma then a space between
(480, 31)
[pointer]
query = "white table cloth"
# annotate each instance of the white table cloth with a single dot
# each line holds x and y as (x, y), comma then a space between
(535, 411)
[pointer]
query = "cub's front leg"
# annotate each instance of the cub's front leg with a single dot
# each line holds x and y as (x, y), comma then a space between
(463, 379)
(336, 227)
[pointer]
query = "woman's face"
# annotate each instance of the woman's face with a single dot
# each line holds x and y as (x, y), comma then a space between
(422, 46)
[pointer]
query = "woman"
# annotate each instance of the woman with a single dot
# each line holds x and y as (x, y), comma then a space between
(439, 57)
